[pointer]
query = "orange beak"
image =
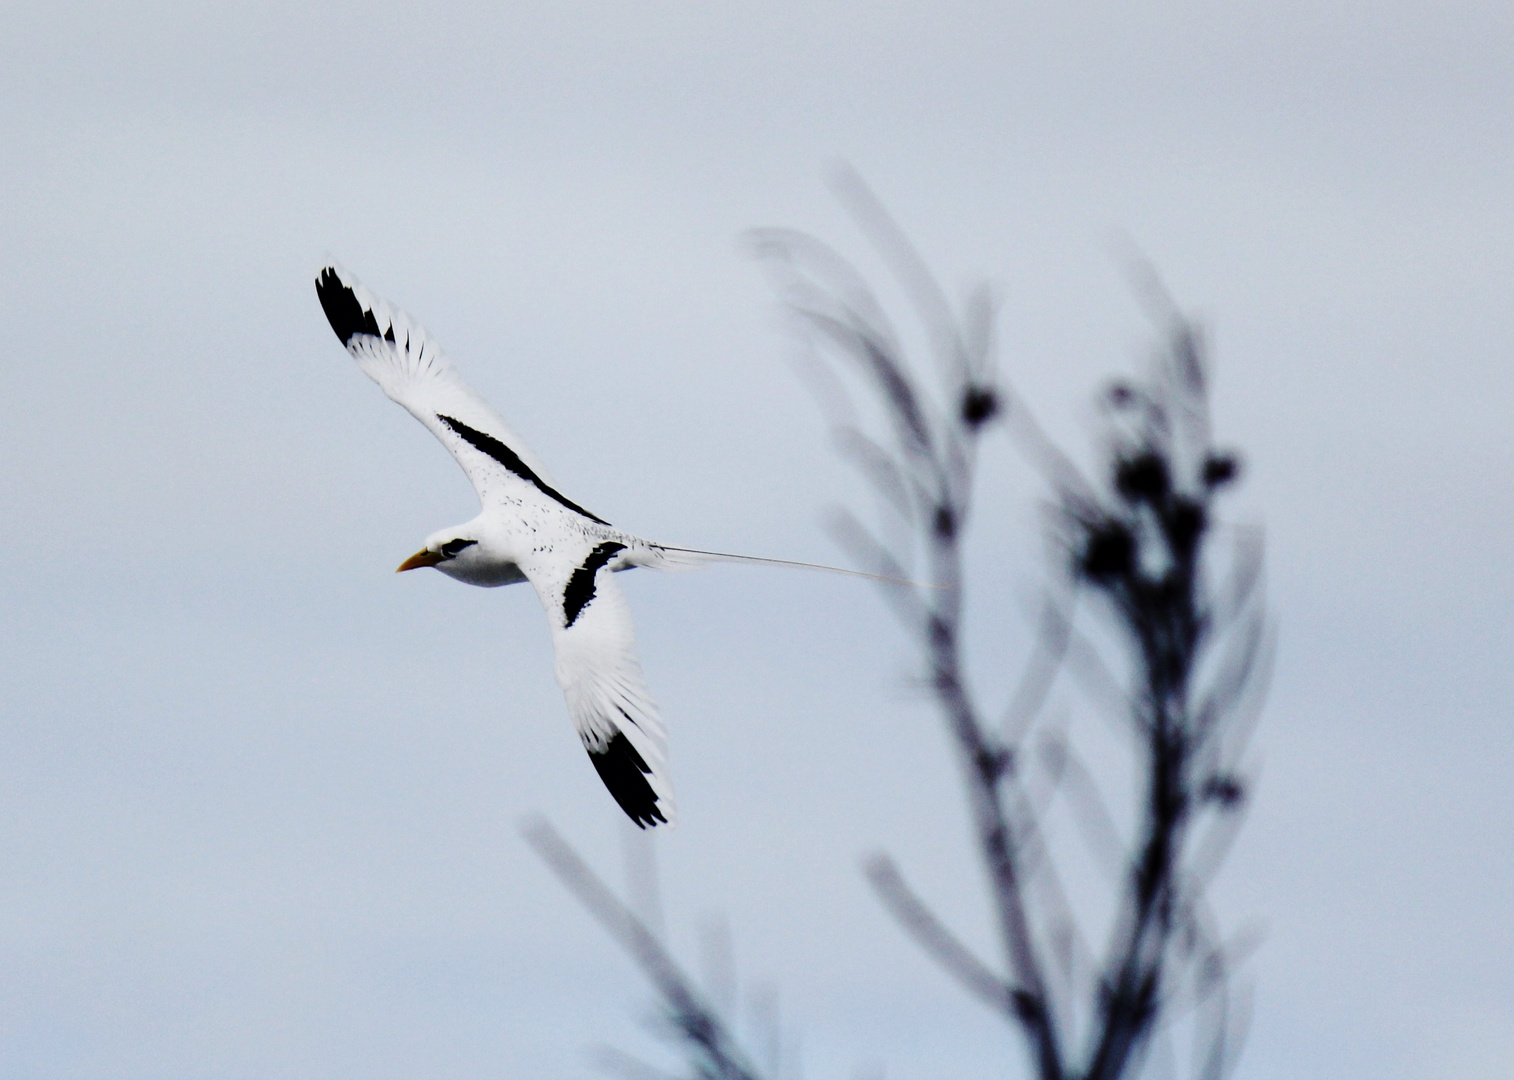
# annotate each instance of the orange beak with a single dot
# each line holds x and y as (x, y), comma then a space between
(419, 559)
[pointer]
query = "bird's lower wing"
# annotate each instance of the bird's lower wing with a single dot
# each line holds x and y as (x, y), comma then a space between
(597, 668)
(396, 352)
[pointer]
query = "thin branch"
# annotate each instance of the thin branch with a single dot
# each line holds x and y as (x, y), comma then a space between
(909, 268)
(866, 550)
(1099, 830)
(695, 1021)
(931, 935)
(983, 765)
(879, 468)
(631, 1068)
(1053, 635)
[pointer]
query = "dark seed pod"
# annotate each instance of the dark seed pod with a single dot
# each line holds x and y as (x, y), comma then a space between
(1226, 790)
(1220, 469)
(1121, 396)
(1110, 553)
(979, 405)
(1143, 478)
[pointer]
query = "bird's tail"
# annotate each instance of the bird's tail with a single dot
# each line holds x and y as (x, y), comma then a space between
(666, 557)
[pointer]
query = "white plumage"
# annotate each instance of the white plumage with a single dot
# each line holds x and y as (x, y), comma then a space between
(529, 531)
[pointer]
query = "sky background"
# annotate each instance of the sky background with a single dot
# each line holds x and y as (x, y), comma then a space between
(260, 798)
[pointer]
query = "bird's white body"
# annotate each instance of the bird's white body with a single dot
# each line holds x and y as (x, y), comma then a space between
(529, 531)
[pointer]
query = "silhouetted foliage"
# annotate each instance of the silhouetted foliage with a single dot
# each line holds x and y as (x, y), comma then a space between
(1139, 544)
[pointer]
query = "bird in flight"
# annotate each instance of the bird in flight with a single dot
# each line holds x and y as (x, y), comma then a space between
(528, 530)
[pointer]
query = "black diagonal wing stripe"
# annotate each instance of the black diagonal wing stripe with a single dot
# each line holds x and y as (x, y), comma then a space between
(501, 453)
(344, 311)
(580, 588)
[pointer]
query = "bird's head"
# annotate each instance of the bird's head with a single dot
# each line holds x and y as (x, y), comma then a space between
(452, 551)
(470, 554)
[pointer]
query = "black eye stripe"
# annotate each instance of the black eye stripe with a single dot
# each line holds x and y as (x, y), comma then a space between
(452, 547)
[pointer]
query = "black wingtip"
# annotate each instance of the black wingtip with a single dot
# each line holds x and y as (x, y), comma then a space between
(624, 772)
(346, 314)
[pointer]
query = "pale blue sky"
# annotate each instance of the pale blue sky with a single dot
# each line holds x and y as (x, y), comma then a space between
(259, 796)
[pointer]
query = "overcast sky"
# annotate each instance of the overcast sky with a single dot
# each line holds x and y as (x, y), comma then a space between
(259, 797)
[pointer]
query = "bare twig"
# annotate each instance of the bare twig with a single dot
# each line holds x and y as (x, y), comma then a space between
(932, 936)
(715, 1054)
(1138, 543)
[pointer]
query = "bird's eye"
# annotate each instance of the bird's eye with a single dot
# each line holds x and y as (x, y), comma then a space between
(452, 547)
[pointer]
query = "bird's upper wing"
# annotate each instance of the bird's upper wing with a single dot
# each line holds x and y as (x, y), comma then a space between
(395, 352)
(601, 678)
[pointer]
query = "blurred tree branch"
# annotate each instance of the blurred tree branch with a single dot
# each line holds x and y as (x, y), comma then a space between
(697, 1026)
(1139, 541)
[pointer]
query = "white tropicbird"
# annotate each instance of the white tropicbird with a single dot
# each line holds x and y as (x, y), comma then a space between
(529, 531)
